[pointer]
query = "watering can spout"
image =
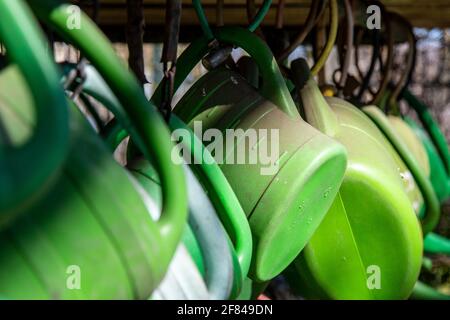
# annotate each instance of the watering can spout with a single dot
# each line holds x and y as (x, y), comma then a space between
(317, 111)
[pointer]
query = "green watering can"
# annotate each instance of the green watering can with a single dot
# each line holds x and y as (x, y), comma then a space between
(225, 202)
(79, 226)
(217, 264)
(435, 144)
(433, 243)
(283, 208)
(23, 183)
(399, 135)
(412, 152)
(369, 245)
(437, 173)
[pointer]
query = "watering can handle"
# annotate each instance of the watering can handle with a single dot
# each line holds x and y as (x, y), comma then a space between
(273, 85)
(26, 169)
(148, 129)
(210, 174)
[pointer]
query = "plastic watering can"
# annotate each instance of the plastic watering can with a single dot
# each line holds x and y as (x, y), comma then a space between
(435, 144)
(413, 154)
(23, 183)
(430, 215)
(287, 206)
(412, 142)
(210, 175)
(120, 252)
(430, 210)
(398, 134)
(371, 226)
(438, 175)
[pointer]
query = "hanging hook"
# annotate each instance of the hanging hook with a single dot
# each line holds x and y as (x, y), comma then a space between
(169, 54)
(312, 18)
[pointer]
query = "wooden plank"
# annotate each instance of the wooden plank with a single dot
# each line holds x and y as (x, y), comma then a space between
(421, 13)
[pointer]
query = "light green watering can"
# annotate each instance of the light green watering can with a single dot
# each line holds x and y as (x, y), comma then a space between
(369, 245)
(79, 240)
(412, 155)
(283, 208)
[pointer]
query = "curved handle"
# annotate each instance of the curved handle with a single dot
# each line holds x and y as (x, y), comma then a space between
(259, 17)
(273, 85)
(435, 243)
(140, 118)
(317, 110)
(432, 214)
(422, 291)
(219, 190)
(26, 169)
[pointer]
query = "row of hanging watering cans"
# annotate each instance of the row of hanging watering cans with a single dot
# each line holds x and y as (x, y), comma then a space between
(355, 189)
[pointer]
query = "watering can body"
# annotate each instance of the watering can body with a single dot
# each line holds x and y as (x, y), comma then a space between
(82, 226)
(286, 206)
(370, 233)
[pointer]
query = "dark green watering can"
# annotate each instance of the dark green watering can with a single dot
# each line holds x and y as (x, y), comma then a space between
(434, 243)
(285, 207)
(437, 173)
(80, 240)
(23, 183)
(369, 245)
(429, 211)
(211, 251)
(435, 144)
(219, 191)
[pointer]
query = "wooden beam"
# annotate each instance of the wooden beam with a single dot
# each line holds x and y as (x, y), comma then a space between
(421, 13)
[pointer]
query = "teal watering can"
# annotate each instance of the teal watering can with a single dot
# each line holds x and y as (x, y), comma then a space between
(79, 240)
(284, 207)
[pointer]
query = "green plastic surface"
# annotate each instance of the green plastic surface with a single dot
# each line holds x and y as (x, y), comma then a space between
(23, 181)
(371, 225)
